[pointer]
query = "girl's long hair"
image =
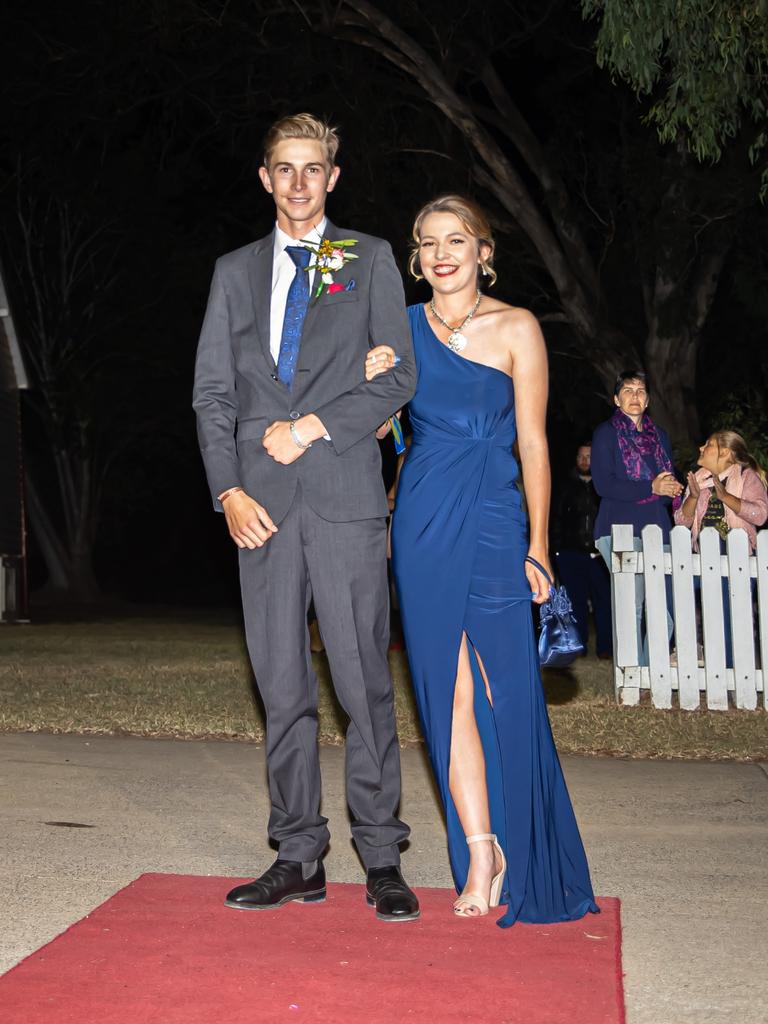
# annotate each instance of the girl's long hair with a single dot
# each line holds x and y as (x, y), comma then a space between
(737, 446)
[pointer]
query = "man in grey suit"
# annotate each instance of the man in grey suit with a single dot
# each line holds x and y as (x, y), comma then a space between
(286, 423)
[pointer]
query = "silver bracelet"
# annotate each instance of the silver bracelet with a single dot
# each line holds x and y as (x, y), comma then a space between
(297, 440)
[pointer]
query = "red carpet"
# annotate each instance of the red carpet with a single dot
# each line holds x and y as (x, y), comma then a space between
(164, 950)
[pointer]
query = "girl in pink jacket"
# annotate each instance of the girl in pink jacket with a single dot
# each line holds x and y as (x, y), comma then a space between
(728, 491)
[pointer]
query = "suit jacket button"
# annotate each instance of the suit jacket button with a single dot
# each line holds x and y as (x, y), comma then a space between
(273, 376)
(294, 415)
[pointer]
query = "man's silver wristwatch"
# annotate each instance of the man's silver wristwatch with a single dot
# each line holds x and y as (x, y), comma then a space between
(297, 440)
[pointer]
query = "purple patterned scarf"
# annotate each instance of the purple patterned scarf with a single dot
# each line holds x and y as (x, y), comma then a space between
(641, 450)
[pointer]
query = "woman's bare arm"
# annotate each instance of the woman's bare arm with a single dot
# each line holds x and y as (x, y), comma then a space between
(531, 378)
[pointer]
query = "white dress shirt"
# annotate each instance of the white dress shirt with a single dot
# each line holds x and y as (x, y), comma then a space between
(283, 273)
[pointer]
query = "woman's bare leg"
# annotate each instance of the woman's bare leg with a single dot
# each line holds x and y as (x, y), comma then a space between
(466, 780)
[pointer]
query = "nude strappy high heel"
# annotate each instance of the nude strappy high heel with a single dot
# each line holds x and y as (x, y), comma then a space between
(472, 899)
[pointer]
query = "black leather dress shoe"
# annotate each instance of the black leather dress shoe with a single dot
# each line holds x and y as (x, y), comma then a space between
(386, 890)
(283, 882)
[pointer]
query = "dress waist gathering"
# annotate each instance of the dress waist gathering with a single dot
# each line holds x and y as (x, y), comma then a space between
(432, 435)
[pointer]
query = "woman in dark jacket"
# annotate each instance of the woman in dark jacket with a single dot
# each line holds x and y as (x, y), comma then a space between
(633, 474)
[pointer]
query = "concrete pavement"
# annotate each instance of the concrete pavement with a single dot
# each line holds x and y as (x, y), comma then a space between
(682, 844)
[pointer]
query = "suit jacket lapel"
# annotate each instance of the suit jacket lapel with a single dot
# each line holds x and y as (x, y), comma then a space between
(330, 232)
(260, 277)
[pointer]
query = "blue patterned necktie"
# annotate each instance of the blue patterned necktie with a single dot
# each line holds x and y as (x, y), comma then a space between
(295, 311)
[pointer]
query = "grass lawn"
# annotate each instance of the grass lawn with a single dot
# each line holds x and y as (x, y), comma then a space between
(186, 675)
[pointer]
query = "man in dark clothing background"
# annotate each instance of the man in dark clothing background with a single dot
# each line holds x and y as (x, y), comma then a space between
(580, 567)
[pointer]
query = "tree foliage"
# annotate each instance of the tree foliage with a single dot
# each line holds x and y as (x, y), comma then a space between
(747, 414)
(703, 64)
(630, 238)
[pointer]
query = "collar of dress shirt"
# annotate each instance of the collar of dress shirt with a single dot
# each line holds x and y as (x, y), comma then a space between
(282, 239)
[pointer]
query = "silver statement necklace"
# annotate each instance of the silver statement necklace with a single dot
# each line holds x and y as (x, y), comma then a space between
(457, 341)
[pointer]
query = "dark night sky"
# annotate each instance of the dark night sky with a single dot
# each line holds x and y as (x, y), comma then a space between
(147, 120)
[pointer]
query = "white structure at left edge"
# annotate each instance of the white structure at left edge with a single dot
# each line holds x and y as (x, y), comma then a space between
(13, 546)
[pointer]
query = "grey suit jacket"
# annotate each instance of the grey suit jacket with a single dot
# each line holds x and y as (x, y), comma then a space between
(237, 393)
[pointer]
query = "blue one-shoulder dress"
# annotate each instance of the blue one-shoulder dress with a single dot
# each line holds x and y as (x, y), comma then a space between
(459, 542)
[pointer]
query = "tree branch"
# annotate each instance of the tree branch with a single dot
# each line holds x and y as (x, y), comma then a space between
(512, 123)
(498, 174)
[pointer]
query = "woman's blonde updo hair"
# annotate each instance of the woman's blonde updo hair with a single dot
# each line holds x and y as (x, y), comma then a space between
(474, 221)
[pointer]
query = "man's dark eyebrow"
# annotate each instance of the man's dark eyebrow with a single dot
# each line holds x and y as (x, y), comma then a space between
(286, 163)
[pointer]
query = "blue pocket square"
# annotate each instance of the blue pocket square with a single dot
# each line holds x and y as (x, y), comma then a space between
(350, 285)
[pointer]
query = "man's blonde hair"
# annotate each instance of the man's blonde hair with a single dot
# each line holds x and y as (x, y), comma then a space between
(302, 126)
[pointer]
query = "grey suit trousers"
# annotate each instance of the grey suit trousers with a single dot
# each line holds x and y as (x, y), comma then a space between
(342, 566)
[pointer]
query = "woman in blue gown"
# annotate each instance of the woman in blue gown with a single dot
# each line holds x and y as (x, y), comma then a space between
(459, 544)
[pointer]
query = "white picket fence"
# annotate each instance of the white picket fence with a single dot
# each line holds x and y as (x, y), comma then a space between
(687, 673)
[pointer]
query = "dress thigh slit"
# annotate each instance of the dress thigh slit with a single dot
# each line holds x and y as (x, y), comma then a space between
(489, 738)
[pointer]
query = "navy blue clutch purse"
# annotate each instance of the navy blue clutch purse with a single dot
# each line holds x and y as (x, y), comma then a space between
(559, 640)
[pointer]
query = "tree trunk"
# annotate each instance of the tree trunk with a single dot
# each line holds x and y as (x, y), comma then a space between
(70, 568)
(671, 366)
(677, 307)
